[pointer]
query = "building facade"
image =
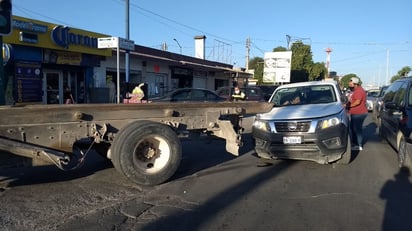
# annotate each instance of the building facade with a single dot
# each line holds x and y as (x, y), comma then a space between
(48, 63)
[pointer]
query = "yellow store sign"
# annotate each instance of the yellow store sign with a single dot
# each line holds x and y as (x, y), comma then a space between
(35, 33)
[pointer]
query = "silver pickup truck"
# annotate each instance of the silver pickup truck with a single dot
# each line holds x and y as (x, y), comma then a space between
(307, 122)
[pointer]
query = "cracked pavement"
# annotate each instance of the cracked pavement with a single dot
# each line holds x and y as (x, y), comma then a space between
(210, 191)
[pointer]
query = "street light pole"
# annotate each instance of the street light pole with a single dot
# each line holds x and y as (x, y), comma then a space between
(387, 66)
(178, 45)
(387, 62)
(127, 57)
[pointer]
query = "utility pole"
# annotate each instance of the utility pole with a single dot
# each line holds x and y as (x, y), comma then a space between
(247, 53)
(387, 66)
(387, 62)
(127, 63)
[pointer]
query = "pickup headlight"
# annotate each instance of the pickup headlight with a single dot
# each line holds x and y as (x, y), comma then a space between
(330, 122)
(261, 125)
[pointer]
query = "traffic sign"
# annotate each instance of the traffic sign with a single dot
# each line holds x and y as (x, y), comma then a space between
(115, 42)
(126, 44)
(109, 42)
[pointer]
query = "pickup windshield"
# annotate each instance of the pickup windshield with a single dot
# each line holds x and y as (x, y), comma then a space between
(304, 95)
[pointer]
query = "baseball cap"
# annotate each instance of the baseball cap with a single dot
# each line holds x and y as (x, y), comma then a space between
(354, 80)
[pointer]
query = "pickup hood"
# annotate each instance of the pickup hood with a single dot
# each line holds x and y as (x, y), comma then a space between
(308, 111)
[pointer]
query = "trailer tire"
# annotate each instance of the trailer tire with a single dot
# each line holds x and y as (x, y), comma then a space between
(146, 152)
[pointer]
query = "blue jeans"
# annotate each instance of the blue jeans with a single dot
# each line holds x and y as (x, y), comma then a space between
(356, 123)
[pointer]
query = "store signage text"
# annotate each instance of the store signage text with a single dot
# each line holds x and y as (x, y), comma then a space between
(62, 37)
(29, 26)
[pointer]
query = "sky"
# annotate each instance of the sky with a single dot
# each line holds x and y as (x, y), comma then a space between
(372, 39)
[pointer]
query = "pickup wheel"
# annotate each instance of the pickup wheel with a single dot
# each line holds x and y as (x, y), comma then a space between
(347, 156)
(146, 152)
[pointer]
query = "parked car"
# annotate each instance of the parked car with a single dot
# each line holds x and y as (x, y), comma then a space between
(370, 98)
(315, 127)
(190, 95)
(395, 119)
(267, 90)
(377, 105)
(253, 93)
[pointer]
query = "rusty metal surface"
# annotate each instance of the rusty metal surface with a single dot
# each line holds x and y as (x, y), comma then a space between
(59, 126)
(97, 112)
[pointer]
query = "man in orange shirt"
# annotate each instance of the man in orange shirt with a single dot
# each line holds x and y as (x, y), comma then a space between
(358, 112)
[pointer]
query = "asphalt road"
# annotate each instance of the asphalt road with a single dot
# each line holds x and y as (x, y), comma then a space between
(214, 191)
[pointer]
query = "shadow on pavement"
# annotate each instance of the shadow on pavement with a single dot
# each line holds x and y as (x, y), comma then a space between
(197, 155)
(22, 174)
(369, 133)
(198, 219)
(398, 196)
(203, 154)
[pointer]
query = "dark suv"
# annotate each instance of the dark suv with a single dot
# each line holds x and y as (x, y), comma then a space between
(395, 119)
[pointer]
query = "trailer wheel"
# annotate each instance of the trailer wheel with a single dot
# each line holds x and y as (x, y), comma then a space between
(146, 152)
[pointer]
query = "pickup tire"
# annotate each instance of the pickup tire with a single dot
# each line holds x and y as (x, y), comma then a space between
(347, 156)
(147, 153)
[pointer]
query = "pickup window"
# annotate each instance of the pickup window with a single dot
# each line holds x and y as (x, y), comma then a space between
(306, 95)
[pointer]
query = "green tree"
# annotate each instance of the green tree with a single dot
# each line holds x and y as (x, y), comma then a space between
(303, 68)
(257, 64)
(344, 81)
(404, 72)
(302, 62)
(279, 48)
(317, 71)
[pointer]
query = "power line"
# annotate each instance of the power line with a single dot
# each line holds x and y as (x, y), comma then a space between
(255, 46)
(183, 25)
(28, 12)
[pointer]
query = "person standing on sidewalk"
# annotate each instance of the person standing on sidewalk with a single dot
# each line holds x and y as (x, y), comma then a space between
(358, 112)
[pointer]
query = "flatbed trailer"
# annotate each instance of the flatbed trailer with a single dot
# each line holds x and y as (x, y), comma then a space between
(141, 140)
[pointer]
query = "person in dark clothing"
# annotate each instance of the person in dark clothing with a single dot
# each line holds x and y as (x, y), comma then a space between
(68, 97)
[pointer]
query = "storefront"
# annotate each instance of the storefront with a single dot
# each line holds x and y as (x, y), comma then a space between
(162, 71)
(50, 63)
(54, 64)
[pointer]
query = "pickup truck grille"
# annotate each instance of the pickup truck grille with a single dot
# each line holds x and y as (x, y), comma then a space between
(292, 126)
